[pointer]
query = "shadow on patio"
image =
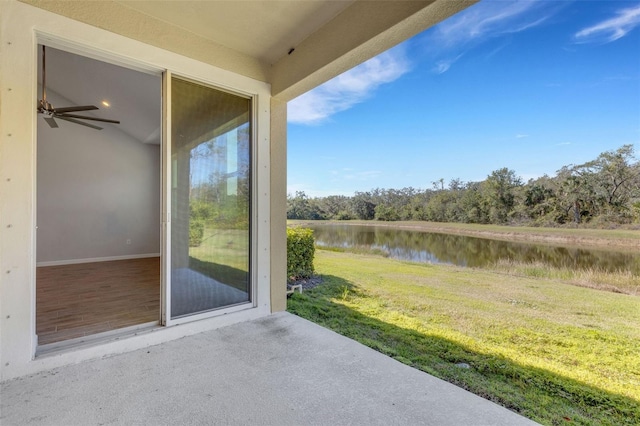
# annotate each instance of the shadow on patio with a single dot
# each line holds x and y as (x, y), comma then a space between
(512, 384)
(279, 370)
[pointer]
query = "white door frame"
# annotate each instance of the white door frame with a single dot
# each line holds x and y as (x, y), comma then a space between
(21, 32)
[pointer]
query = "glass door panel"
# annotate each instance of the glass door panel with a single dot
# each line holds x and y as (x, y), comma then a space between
(210, 198)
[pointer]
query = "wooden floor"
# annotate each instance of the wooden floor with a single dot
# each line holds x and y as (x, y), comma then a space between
(83, 299)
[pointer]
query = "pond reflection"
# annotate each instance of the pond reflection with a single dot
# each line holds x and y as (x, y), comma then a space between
(426, 247)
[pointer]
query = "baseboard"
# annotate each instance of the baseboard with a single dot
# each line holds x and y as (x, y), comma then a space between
(97, 259)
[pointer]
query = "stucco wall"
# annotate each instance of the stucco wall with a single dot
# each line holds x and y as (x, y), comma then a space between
(278, 205)
(22, 27)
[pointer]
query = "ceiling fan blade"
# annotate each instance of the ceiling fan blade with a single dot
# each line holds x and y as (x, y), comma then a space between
(75, 108)
(61, 117)
(105, 120)
(51, 122)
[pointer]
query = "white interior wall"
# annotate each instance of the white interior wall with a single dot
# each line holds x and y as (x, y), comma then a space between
(96, 189)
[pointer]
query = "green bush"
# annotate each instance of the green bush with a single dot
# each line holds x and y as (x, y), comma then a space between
(300, 251)
(196, 232)
(386, 213)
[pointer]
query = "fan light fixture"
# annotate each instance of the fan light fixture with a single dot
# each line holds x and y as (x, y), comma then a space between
(49, 112)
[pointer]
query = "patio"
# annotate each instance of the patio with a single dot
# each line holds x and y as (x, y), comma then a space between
(279, 370)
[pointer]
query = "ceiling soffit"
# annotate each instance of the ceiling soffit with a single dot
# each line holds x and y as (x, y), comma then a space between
(265, 30)
(119, 19)
(255, 38)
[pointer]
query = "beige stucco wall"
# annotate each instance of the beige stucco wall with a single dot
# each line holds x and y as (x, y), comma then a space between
(278, 205)
(21, 28)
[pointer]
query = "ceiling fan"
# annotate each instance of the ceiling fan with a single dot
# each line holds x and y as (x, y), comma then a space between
(50, 112)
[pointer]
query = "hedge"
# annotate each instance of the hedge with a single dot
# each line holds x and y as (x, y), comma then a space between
(300, 251)
(196, 232)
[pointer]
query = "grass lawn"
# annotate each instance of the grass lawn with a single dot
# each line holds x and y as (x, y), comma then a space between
(223, 255)
(554, 352)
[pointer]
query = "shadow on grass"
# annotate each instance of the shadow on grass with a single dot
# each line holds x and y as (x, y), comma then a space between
(225, 274)
(535, 393)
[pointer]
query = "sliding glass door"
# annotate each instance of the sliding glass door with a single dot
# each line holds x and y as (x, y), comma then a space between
(210, 198)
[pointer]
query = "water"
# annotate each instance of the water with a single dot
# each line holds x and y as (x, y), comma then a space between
(427, 247)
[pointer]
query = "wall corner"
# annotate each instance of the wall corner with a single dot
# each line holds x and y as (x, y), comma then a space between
(278, 213)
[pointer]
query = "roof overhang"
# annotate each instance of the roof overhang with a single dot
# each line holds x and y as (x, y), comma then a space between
(294, 45)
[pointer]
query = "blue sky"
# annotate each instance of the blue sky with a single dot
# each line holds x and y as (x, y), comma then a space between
(528, 85)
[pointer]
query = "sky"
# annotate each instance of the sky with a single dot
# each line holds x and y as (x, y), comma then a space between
(528, 85)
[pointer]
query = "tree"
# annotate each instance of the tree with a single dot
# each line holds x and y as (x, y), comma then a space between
(606, 189)
(298, 206)
(500, 188)
(334, 207)
(616, 181)
(362, 206)
(603, 187)
(540, 201)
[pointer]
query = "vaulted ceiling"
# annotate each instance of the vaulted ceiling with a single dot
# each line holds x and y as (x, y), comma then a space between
(133, 97)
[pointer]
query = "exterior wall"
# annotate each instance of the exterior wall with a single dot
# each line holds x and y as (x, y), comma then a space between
(278, 205)
(21, 28)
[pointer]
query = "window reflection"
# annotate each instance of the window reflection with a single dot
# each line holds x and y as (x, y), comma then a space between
(211, 157)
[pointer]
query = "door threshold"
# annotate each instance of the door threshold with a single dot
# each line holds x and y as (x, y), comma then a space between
(95, 339)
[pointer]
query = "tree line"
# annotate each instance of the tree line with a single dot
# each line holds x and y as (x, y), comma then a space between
(602, 192)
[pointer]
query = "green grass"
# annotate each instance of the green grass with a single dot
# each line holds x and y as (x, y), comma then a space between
(554, 352)
(223, 255)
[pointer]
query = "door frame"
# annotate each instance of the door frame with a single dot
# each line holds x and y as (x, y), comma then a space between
(208, 75)
(24, 28)
(167, 165)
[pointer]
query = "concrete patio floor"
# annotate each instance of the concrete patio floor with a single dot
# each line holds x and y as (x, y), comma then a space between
(279, 370)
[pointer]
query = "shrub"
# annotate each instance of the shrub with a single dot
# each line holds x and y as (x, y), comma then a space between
(300, 251)
(196, 232)
(386, 213)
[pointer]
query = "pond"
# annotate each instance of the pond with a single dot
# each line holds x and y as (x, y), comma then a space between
(428, 247)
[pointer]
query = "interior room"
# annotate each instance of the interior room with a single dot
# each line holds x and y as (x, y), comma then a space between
(98, 197)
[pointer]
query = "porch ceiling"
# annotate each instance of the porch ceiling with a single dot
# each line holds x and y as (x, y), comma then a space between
(255, 37)
(265, 30)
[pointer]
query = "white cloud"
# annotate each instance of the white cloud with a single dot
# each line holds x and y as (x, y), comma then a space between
(443, 65)
(490, 19)
(481, 22)
(348, 89)
(520, 136)
(611, 29)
